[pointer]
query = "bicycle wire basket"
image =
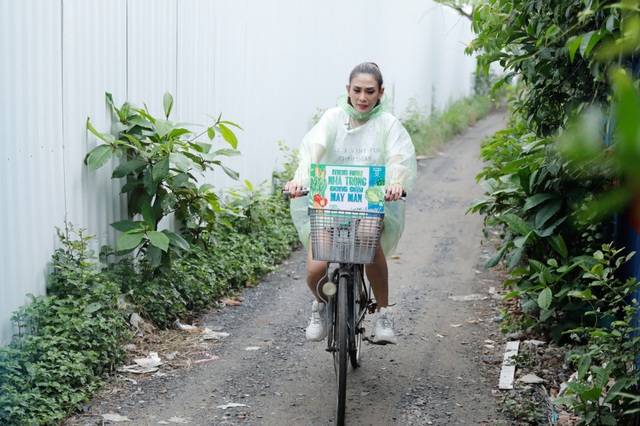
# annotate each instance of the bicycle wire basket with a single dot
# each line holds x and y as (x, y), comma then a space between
(344, 236)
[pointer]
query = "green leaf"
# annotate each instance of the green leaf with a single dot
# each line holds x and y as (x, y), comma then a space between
(578, 388)
(546, 212)
(516, 223)
(148, 214)
(92, 307)
(231, 173)
(228, 135)
(129, 167)
(150, 186)
(126, 225)
(589, 41)
(202, 147)
(129, 240)
(583, 367)
(158, 239)
(573, 45)
(493, 261)
(176, 240)
(228, 152)
(180, 161)
(99, 156)
(511, 295)
(514, 257)
(205, 187)
(106, 137)
(584, 294)
(545, 298)
(627, 111)
(231, 123)
(557, 243)
(163, 127)
(545, 315)
(177, 132)
(154, 255)
(160, 170)
(592, 394)
(141, 121)
(536, 199)
(521, 241)
(167, 103)
(601, 376)
(135, 142)
(620, 384)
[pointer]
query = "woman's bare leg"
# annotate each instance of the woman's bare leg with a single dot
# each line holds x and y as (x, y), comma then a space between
(378, 276)
(316, 272)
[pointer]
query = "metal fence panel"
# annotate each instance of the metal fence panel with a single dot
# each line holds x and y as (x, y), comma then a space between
(32, 172)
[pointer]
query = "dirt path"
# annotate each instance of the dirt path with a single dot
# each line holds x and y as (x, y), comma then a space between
(444, 371)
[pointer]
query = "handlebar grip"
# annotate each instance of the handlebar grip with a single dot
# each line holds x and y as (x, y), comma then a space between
(302, 192)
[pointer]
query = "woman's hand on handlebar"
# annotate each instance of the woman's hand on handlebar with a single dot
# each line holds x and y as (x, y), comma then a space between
(394, 192)
(293, 189)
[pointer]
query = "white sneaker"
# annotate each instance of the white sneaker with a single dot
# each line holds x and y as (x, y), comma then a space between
(383, 328)
(317, 329)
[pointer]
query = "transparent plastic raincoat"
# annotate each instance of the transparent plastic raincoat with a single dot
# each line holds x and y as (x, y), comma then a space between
(382, 140)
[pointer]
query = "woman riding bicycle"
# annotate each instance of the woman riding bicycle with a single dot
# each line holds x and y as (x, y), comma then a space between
(358, 131)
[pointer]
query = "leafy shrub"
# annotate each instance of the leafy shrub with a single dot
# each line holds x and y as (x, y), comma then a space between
(430, 132)
(602, 393)
(67, 342)
(536, 196)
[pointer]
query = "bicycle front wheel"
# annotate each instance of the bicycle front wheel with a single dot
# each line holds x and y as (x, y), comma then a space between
(358, 302)
(341, 331)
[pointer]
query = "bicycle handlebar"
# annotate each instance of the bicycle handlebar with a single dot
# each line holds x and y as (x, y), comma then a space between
(305, 191)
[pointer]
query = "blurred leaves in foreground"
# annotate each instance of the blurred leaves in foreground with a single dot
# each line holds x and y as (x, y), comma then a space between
(609, 142)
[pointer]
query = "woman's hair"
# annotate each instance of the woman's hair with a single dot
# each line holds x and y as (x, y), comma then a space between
(367, 68)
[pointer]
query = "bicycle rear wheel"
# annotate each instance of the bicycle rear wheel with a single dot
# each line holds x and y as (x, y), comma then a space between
(341, 333)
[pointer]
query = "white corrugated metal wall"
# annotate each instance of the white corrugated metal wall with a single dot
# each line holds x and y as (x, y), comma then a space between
(265, 65)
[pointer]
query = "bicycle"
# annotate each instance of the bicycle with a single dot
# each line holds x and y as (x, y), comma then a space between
(350, 239)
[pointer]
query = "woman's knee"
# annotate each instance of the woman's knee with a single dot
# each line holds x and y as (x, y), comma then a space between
(316, 270)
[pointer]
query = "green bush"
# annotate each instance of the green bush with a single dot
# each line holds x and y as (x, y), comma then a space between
(68, 341)
(430, 132)
(254, 241)
(603, 392)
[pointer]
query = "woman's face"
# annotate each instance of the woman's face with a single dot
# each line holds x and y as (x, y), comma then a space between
(364, 93)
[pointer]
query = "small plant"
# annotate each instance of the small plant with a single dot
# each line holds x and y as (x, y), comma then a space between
(252, 205)
(289, 166)
(160, 160)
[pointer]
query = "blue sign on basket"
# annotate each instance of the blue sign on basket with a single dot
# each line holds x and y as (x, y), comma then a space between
(345, 187)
